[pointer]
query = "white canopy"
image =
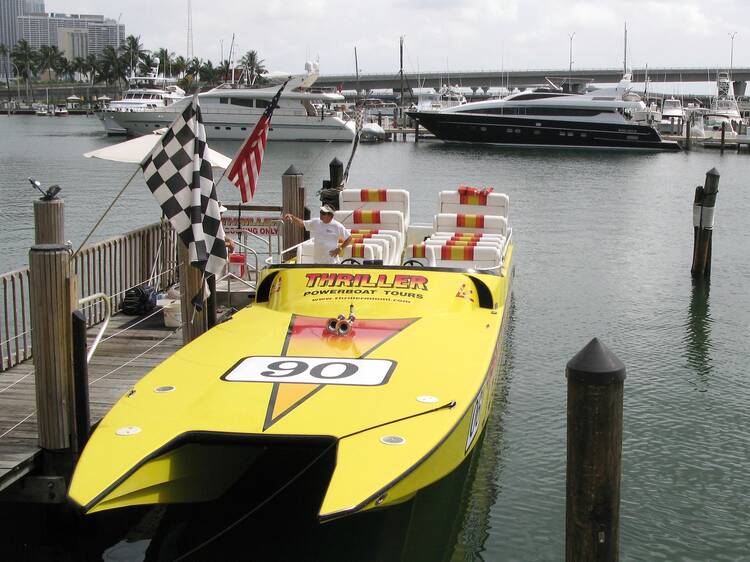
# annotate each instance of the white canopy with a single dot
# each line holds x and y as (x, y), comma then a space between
(73, 98)
(105, 97)
(135, 150)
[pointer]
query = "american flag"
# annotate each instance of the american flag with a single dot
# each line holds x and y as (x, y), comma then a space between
(180, 177)
(245, 168)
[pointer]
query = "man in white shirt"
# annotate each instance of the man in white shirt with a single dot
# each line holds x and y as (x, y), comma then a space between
(329, 235)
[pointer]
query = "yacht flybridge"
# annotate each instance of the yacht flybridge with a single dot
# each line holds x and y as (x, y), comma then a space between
(549, 116)
(231, 110)
(145, 93)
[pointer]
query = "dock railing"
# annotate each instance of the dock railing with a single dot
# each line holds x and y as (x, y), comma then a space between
(112, 266)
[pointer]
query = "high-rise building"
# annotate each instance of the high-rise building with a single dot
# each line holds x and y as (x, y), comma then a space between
(9, 11)
(76, 35)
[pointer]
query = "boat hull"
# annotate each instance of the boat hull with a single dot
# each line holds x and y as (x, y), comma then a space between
(518, 131)
(231, 125)
(396, 419)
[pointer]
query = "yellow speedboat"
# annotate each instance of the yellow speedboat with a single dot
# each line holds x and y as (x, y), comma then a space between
(390, 369)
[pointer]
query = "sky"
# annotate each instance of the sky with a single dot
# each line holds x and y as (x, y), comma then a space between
(442, 35)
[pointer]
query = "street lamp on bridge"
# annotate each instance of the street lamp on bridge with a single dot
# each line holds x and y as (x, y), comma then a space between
(570, 61)
(731, 54)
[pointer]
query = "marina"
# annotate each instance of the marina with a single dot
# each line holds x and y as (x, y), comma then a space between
(605, 267)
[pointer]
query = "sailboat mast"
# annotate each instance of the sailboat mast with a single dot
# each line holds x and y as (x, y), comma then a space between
(401, 67)
(356, 70)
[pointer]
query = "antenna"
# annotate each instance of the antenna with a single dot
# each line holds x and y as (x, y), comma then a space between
(625, 52)
(190, 31)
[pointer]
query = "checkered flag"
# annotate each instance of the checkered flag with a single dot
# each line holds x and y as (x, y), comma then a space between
(179, 175)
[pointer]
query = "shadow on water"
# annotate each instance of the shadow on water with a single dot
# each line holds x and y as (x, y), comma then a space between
(697, 337)
(583, 154)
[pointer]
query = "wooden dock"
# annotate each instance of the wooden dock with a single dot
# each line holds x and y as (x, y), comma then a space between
(131, 347)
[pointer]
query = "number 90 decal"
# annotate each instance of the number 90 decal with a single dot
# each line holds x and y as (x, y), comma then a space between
(312, 370)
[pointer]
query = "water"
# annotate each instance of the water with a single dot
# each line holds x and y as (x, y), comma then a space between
(603, 249)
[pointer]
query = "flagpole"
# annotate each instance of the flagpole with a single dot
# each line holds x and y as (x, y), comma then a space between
(105, 213)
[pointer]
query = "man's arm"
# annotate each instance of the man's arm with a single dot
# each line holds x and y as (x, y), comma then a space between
(296, 220)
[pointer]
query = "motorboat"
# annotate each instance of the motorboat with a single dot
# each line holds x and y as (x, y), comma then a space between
(613, 118)
(147, 93)
(61, 111)
(672, 117)
(231, 110)
(372, 132)
(723, 117)
(446, 96)
(385, 365)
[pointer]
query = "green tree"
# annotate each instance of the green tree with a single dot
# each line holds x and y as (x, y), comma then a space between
(194, 67)
(49, 60)
(5, 57)
(166, 61)
(78, 67)
(208, 73)
(178, 66)
(253, 66)
(112, 67)
(25, 59)
(132, 52)
(92, 68)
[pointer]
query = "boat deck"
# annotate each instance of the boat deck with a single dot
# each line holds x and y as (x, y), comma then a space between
(118, 363)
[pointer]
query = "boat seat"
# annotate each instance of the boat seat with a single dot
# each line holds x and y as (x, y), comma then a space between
(462, 223)
(469, 200)
(467, 236)
(391, 236)
(487, 258)
(362, 219)
(376, 200)
(422, 253)
(361, 252)
(376, 240)
(493, 242)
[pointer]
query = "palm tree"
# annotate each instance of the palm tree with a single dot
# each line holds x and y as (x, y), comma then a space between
(132, 52)
(208, 72)
(4, 56)
(194, 67)
(253, 67)
(78, 66)
(49, 59)
(179, 65)
(147, 62)
(92, 68)
(24, 58)
(166, 61)
(112, 67)
(223, 70)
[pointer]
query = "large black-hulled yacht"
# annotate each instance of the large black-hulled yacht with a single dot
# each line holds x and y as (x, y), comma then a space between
(606, 118)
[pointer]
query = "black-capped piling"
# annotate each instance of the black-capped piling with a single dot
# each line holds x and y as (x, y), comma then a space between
(594, 454)
(704, 204)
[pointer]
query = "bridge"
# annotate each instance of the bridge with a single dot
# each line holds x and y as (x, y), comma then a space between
(524, 78)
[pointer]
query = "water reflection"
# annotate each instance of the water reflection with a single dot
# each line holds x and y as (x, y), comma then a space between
(697, 337)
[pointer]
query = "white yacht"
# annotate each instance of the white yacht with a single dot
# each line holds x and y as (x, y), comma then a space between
(606, 118)
(672, 116)
(230, 112)
(724, 111)
(145, 93)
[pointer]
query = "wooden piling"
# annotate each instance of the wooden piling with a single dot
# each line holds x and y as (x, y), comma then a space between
(49, 221)
(292, 201)
(192, 305)
(723, 134)
(416, 131)
(704, 205)
(51, 305)
(80, 382)
(687, 131)
(336, 171)
(595, 392)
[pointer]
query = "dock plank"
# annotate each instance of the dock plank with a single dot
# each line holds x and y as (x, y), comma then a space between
(116, 366)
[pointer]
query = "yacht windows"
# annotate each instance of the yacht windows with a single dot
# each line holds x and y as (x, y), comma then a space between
(262, 103)
(223, 100)
(539, 111)
(244, 102)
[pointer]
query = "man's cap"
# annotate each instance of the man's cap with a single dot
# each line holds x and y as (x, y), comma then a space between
(327, 209)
